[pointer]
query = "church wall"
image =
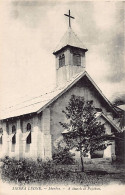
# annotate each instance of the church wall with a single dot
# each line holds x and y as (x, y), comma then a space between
(21, 148)
(27, 148)
(45, 127)
(40, 140)
(65, 73)
(19, 136)
(4, 149)
(47, 143)
(12, 147)
(110, 150)
(107, 126)
(57, 116)
(35, 149)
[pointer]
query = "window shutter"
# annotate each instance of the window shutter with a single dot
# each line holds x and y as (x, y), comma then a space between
(76, 60)
(62, 60)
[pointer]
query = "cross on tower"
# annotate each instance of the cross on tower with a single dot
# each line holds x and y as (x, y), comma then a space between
(69, 18)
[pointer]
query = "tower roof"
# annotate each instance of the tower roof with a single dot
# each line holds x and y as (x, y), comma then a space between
(70, 39)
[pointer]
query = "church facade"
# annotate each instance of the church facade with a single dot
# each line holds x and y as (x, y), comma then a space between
(32, 129)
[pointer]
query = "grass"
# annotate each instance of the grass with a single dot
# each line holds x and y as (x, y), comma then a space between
(24, 172)
(97, 174)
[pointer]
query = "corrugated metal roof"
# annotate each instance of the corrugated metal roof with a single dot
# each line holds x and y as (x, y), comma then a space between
(113, 122)
(98, 115)
(70, 38)
(34, 104)
(122, 107)
(37, 104)
(30, 106)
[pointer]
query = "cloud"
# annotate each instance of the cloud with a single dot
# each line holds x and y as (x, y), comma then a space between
(104, 13)
(109, 19)
(32, 29)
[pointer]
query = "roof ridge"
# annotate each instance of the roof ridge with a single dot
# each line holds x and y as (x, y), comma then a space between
(60, 40)
(77, 37)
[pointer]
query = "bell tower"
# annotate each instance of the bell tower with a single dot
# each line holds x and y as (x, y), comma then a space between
(70, 56)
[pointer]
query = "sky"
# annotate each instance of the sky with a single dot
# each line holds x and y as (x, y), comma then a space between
(31, 30)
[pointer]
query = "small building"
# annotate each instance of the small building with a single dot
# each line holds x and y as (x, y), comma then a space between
(32, 129)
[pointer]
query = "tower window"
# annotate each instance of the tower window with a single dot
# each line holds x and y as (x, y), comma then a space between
(61, 60)
(76, 59)
(1, 134)
(28, 140)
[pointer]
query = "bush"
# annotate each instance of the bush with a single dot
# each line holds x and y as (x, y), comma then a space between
(29, 171)
(63, 156)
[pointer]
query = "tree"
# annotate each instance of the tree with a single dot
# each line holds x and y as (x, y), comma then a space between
(83, 131)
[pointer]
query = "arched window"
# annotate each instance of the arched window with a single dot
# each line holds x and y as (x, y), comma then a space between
(13, 134)
(61, 60)
(76, 59)
(28, 140)
(28, 127)
(1, 134)
(13, 129)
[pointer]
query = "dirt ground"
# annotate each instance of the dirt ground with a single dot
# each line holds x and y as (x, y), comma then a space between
(116, 172)
(105, 173)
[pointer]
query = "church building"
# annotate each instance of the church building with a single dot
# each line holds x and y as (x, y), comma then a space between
(32, 129)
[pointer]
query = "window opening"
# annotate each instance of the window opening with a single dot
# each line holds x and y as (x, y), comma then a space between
(28, 140)
(1, 134)
(14, 134)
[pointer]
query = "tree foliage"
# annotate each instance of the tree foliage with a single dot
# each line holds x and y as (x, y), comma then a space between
(83, 131)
